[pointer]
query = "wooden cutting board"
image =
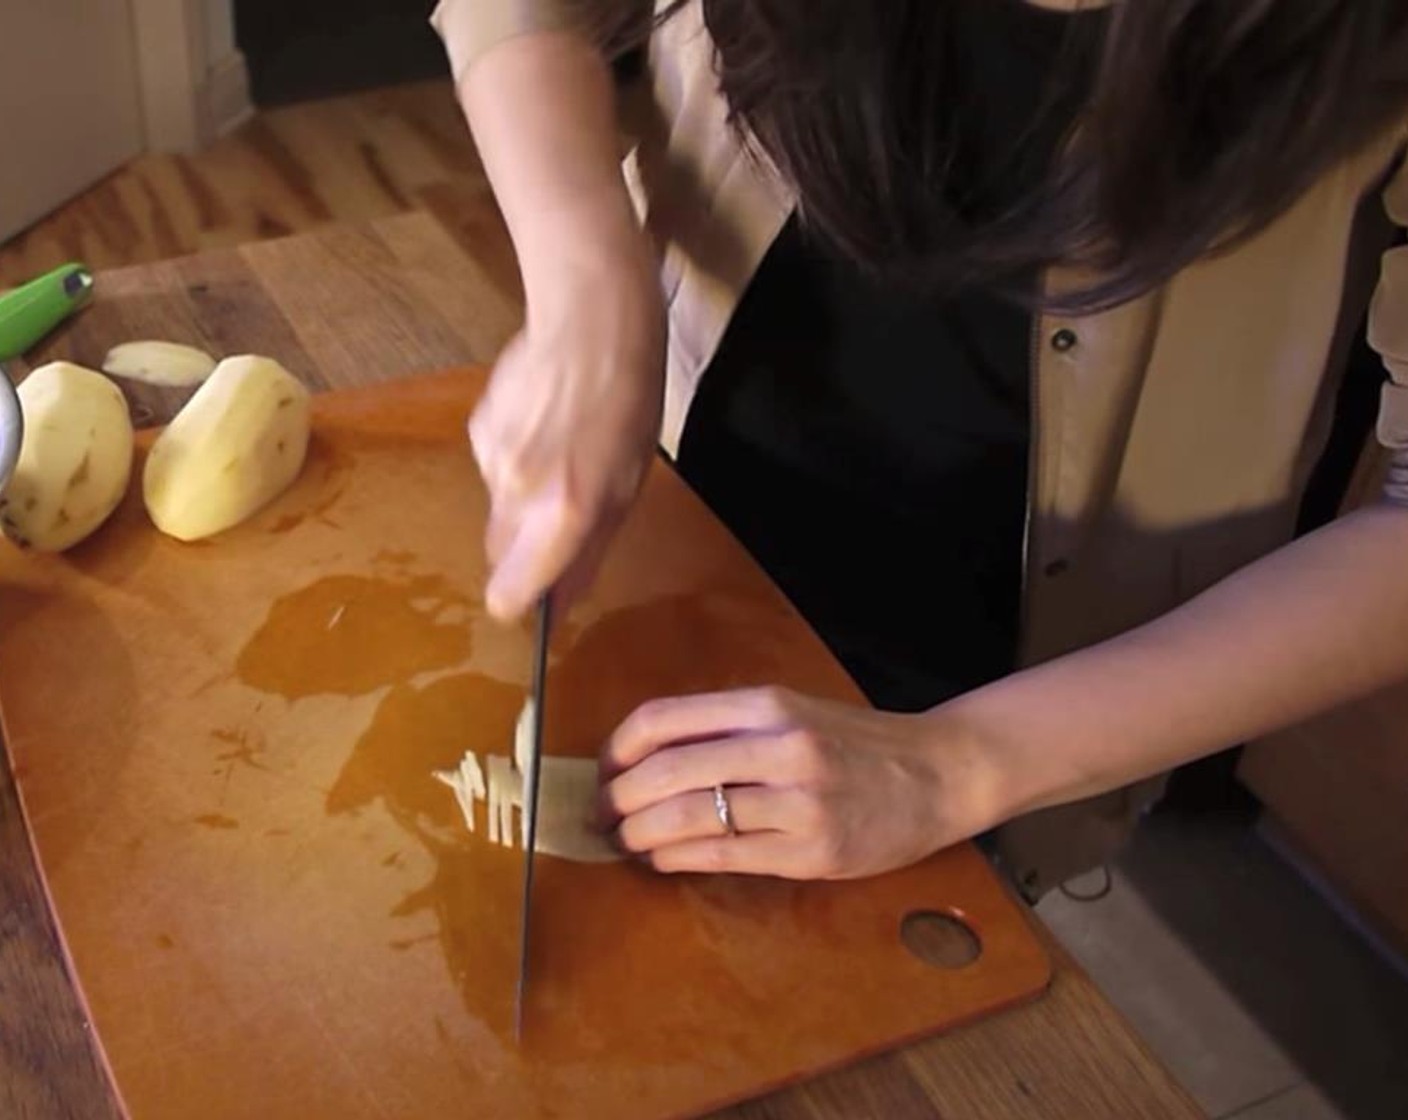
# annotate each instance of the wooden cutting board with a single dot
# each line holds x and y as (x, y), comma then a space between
(224, 753)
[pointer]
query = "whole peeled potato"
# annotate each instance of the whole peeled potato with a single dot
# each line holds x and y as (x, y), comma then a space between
(75, 458)
(238, 443)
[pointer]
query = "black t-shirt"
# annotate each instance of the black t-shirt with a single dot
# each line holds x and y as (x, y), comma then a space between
(870, 447)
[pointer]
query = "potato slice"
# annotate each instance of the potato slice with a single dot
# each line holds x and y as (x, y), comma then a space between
(567, 812)
(75, 458)
(159, 363)
(239, 442)
(566, 807)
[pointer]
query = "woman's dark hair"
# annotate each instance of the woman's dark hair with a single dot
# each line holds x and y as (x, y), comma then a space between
(1201, 121)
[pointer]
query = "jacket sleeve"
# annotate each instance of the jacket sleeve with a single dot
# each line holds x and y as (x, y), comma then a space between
(471, 27)
(1388, 334)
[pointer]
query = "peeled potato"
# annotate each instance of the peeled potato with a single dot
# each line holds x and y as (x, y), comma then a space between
(567, 812)
(75, 458)
(239, 443)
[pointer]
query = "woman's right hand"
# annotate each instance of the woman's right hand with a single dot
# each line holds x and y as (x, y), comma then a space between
(572, 413)
(571, 417)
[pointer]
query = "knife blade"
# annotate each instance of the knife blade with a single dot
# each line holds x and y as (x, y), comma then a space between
(530, 768)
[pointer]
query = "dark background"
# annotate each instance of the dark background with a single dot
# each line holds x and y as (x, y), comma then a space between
(303, 49)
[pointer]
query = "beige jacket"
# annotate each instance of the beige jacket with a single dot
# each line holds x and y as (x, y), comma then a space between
(1172, 437)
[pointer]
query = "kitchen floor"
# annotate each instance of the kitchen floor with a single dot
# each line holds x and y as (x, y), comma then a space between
(288, 170)
(1254, 992)
(1261, 999)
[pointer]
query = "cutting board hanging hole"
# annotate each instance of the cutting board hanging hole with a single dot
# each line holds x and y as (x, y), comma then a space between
(940, 940)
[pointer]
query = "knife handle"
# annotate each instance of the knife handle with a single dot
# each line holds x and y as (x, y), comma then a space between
(32, 310)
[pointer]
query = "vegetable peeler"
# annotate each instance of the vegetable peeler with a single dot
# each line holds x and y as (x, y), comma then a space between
(32, 310)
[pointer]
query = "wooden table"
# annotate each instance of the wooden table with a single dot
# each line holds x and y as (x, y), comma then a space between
(354, 304)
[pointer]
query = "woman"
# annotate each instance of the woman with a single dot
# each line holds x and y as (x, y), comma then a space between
(1044, 303)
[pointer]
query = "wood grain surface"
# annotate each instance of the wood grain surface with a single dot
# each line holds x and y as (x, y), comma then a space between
(288, 170)
(357, 304)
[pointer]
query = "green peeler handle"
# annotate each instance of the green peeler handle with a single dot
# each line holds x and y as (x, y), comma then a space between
(32, 310)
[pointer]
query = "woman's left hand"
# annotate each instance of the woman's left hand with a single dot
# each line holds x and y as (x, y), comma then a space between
(817, 789)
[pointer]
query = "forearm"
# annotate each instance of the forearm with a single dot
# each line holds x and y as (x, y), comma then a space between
(1319, 622)
(541, 107)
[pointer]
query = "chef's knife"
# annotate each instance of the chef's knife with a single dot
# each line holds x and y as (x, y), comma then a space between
(530, 767)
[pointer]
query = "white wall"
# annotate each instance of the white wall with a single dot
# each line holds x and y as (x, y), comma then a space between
(163, 75)
(69, 109)
(225, 93)
(219, 30)
(193, 78)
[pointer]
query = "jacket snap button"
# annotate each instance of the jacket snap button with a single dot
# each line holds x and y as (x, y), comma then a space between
(1063, 340)
(1056, 567)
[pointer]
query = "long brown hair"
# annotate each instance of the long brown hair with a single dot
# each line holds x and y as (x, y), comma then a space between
(1201, 121)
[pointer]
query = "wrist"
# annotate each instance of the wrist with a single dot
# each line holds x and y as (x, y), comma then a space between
(985, 778)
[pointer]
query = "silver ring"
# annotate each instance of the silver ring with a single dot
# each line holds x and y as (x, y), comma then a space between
(724, 811)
